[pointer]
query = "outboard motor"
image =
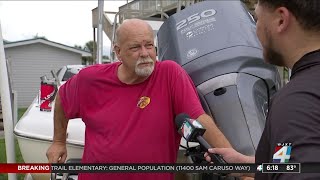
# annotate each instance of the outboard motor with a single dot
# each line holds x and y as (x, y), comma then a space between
(215, 42)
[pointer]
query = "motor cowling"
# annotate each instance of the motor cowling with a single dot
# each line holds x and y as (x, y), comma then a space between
(215, 42)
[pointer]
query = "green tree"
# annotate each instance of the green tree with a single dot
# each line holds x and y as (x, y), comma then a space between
(78, 47)
(251, 5)
(37, 36)
(90, 47)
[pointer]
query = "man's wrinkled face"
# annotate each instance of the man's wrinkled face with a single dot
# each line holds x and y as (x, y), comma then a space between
(137, 51)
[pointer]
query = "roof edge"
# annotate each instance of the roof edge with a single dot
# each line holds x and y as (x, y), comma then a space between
(47, 42)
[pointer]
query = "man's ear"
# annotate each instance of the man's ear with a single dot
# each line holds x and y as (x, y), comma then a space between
(116, 49)
(284, 17)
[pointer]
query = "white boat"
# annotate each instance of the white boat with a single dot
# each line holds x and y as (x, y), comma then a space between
(34, 130)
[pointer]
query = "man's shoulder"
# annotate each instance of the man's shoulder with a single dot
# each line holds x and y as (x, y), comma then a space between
(295, 104)
(169, 65)
(98, 68)
(300, 88)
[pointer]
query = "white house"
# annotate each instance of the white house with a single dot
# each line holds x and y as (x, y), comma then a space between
(30, 59)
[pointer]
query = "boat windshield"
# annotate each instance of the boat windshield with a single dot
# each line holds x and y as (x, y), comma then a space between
(70, 72)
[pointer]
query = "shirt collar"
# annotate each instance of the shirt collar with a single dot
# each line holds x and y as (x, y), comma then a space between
(308, 60)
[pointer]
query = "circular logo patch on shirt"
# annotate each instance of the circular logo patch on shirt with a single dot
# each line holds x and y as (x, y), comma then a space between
(143, 102)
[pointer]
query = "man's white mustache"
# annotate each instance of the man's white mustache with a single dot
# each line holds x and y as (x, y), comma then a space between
(146, 60)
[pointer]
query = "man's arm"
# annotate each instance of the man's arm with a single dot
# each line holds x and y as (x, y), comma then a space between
(213, 135)
(60, 122)
(183, 87)
(57, 152)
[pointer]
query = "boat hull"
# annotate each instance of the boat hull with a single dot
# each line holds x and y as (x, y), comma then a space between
(34, 151)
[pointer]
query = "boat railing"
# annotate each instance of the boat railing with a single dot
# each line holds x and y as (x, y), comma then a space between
(153, 10)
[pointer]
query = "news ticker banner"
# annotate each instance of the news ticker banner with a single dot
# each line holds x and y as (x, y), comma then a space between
(160, 168)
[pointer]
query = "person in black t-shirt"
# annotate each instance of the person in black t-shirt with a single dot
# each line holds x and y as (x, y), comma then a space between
(289, 32)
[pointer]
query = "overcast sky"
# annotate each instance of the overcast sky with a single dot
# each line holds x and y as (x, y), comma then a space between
(66, 22)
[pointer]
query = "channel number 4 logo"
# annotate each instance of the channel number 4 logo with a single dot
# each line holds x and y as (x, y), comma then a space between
(194, 18)
(259, 168)
(282, 154)
(187, 130)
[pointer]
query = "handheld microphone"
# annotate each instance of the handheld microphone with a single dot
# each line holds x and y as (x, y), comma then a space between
(192, 131)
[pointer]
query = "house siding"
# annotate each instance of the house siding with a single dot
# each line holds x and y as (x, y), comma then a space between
(28, 63)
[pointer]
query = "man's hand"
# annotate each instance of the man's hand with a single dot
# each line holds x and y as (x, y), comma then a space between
(57, 152)
(230, 155)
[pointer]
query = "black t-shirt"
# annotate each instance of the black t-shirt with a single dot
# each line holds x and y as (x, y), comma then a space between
(294, 121)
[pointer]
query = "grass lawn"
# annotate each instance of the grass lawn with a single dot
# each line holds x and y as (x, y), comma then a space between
(19, 158)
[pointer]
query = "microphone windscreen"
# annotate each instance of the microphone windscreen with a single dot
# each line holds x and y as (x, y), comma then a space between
(180, 118)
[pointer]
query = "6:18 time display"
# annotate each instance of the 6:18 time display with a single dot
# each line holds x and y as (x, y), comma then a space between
(281, 168)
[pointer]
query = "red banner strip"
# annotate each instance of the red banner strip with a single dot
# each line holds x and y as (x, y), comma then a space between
(25, 168)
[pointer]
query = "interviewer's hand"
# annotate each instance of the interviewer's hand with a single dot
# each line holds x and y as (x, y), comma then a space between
(232, 156)
(57, 152)
(229, 154)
